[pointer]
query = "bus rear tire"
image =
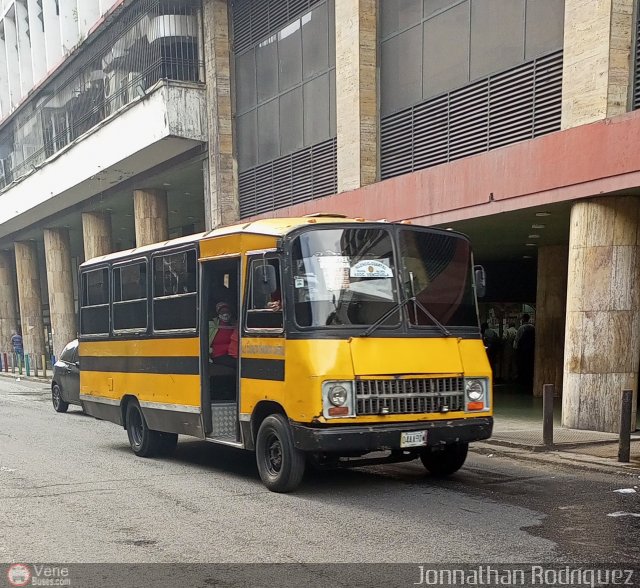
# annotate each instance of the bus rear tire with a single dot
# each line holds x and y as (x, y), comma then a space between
(280, 464)
(144, 442)
(446, 461)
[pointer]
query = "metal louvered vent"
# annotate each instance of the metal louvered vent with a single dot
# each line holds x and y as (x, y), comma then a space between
(303, 175)
(511, 106)
(636, 70)
(253, 20)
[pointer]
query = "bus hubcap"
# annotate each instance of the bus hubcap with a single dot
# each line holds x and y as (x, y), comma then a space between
(274, 455)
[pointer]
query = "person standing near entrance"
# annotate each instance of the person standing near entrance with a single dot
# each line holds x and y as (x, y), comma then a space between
(509, 359)
(524, 346)
(16, 343)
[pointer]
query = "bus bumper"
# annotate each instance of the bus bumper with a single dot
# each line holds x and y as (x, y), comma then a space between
(366, 438)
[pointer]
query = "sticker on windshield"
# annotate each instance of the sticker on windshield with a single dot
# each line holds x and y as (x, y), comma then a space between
(299, 282)
(371, 268)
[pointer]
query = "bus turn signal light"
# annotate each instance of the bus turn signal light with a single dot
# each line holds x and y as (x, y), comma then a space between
(475, 406)
(339, 411)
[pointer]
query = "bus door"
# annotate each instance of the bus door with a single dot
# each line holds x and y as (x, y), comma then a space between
(220, 303)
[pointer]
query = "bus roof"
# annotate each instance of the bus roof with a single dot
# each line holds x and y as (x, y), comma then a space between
(276, 227)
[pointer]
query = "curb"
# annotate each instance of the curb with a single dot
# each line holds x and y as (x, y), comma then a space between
(10, 376)
(559, 458)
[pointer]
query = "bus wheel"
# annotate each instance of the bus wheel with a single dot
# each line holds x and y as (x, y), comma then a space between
(59, 405)
(445, 461)
(143, 441)
(280, 464)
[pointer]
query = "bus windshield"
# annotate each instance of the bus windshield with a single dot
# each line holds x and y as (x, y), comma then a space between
(436, 270)
(344, 277)
(350, 277)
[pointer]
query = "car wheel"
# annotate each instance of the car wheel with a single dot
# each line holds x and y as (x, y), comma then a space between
(143, 441)
(59, 405)
(280, 464)
(444, 461)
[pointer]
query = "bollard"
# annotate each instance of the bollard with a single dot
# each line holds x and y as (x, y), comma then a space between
(20, 359)
(1, 362)
(27, 364)
(624, 447)
(547, 414)
(44, 365)
(6, 362)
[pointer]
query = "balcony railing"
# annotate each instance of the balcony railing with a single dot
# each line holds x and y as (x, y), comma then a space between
(149, 41)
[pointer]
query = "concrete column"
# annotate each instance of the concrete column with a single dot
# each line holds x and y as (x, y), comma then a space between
(5, 96)
(597, 60)
(24, 48)
(150, 216)
(30, 298)
(52, 40)
(13, 60)
(356, 93)
(602, 343)
(551, 302)
(36, 32)
(60, 286)
(8, 301)
(222, 197)
(96, 234)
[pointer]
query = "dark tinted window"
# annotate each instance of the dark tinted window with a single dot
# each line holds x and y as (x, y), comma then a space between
(94, 311)
(436, 269)
(130, 297)
(264, 302)
(174, 291)
(69, 352)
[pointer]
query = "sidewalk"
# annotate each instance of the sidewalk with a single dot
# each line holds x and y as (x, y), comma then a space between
(517, 433)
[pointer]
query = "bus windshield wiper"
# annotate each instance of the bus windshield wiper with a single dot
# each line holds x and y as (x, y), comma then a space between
(398, 307)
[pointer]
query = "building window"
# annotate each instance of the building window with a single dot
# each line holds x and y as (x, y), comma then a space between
(459, 77)
(284, 92)
(433, 46)
(175, 303)
(130, 297)
(94, 310)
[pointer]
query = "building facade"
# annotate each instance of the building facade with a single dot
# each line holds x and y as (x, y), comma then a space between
(129, 122)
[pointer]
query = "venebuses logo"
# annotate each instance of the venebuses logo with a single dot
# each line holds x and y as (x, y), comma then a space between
(18, 574)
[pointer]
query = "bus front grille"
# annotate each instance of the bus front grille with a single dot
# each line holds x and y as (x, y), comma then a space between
(409, 396)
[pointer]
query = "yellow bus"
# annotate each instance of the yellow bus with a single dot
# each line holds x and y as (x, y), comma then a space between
(320, 340)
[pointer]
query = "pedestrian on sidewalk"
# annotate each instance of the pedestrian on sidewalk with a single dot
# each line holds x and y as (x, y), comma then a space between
(524, 345)
(16, 343)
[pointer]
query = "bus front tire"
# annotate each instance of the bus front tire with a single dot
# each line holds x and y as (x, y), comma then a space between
(280, 464)
(446, 461)
(144, 442)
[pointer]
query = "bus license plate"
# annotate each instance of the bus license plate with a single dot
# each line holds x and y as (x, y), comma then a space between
(413, 439)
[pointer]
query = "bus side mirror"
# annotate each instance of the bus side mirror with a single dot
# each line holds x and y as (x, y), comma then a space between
(481, 281)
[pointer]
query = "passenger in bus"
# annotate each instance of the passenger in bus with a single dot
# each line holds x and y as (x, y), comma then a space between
(223, 354)
(223, 336)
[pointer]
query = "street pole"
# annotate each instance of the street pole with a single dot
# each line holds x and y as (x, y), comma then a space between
(547, 414)
(624, 447)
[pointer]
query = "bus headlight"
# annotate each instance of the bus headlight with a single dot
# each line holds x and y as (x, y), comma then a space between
(476, 391)
(338, 395)
(337, 400)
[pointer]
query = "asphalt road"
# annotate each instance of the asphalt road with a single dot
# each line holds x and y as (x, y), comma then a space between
(72, 491)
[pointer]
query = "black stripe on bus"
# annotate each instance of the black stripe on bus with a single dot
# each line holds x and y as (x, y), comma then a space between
(262, 369)
(183, 365)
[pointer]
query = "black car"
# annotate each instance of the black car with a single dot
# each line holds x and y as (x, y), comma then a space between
(65, 386)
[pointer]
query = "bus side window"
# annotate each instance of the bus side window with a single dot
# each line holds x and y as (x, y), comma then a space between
(264, 302)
